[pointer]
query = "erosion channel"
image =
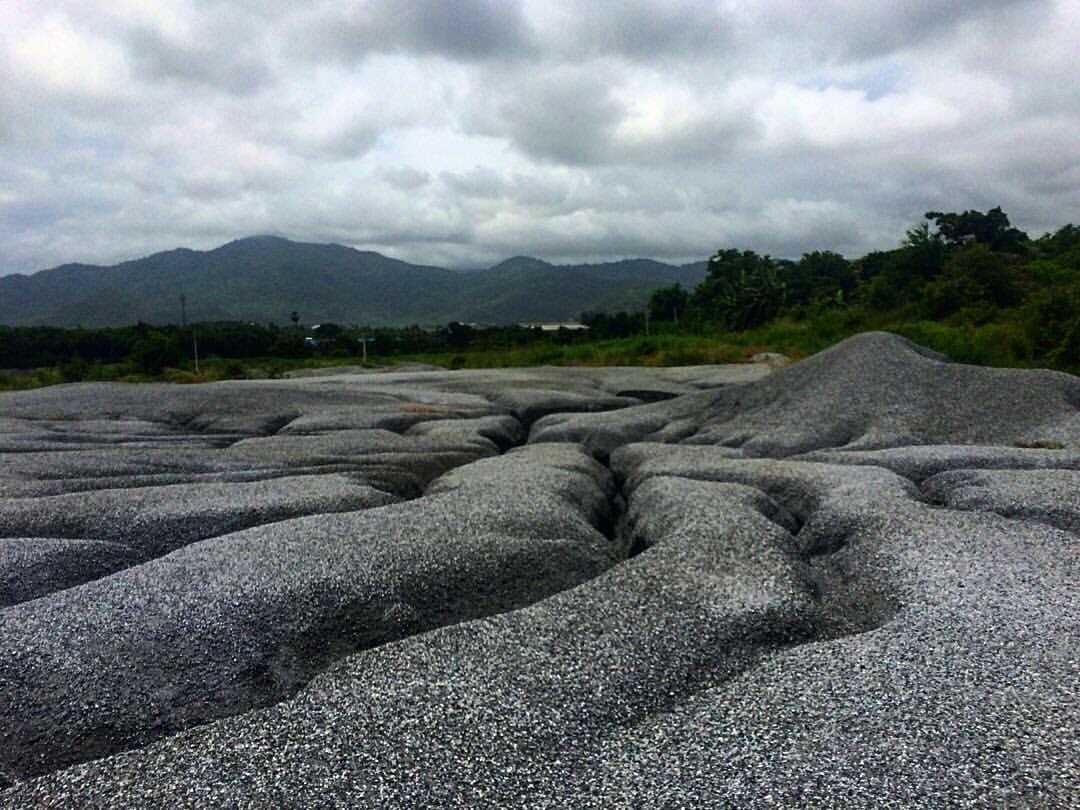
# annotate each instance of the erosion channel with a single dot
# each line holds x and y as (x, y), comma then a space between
(847, 582)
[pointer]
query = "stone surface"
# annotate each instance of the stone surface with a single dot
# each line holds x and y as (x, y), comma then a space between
(872, 391)
(849, 583)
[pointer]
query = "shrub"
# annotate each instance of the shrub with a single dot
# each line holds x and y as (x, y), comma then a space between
(152, 352)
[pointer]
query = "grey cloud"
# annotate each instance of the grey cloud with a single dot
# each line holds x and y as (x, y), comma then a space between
(644, 31)
(404, 178)
(480, 183)
(347, 143)
(463, 30)
(217, 63)
(567, 116)
(839, 30)
(528, 190)
(715, 138)
(572, 116)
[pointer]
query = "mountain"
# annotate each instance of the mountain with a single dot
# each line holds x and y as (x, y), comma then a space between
(265, 278)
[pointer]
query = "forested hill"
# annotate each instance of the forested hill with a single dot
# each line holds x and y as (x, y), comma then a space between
(265, 279)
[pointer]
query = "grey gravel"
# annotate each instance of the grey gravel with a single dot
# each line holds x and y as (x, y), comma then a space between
(33, 566)
(873, 391)
(1048, 496)
(243, 619)
(147, 522)
(920, 462)
(851, 583)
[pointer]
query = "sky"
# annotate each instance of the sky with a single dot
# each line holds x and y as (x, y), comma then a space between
(462, 132)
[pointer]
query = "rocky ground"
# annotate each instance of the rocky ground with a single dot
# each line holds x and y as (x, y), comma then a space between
(850, 582)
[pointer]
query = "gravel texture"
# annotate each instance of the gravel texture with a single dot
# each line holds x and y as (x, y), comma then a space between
(840, 585)
(244, 619)
(872, 391)
(32, 566)
(1047, 496)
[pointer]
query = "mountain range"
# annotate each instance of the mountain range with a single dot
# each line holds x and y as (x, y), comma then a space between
(266, 278)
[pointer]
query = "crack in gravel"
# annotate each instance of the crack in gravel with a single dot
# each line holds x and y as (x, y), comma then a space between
(796, 591)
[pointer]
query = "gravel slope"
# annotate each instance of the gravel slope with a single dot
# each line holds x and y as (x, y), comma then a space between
(850, 583)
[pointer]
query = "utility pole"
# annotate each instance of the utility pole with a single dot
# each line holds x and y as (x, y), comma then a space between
(183, 325)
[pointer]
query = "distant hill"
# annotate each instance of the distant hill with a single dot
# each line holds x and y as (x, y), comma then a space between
(265, 278)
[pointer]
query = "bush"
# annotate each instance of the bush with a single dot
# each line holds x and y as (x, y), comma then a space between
(74, 370)
(152, 352)
(234, 370)
(1050, 317)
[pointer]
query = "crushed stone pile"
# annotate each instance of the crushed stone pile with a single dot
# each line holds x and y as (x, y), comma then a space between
(850, 582)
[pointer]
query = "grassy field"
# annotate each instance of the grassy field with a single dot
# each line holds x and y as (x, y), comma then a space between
(994, 344)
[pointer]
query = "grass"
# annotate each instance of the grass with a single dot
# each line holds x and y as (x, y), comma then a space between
(993, 344)
(661, 350)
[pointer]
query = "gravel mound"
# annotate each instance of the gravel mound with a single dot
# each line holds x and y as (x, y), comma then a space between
(919, 662)
(871, 391)
(33, 566)
(244, 619)
(140, 524)
(849, 583)
(1047, 496)
(920, 462)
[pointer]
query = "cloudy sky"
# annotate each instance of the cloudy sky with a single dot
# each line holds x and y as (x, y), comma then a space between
(460, 132)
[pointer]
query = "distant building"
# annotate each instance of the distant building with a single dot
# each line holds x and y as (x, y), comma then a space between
(555, 327)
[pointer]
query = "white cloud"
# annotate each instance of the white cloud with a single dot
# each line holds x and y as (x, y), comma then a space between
(66, 61)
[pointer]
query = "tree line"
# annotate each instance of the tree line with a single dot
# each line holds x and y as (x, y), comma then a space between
(149, 349)
(964, 270)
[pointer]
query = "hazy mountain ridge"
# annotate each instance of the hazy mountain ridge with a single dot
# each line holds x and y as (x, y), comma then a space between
(265, 278)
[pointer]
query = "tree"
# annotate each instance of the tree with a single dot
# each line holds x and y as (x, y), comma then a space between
(459, 335)
(153, 351)
(920, 235)
(742, 290)
(821, 276)
(1052, 319)
(896, 277)
(974, 278)
(668, 303)
(991, 229)
(1063, 245)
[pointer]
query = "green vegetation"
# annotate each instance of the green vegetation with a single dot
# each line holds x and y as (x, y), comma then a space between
(967, 285)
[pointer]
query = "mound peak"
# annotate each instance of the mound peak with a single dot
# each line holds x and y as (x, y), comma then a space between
(875, 390)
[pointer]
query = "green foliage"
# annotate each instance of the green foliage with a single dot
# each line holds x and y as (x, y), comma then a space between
(1051, 317)
(1062, 242)
(618, 325)
(893, 278)
(74, 370)
(152, 352)
(289, 344)
(991, 229)
(995, 344)
(920, 235)
(742, 290)
(974, 278)
(668, 303)
(821, 277)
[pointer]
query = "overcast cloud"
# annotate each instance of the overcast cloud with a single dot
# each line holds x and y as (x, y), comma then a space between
(462, 132)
